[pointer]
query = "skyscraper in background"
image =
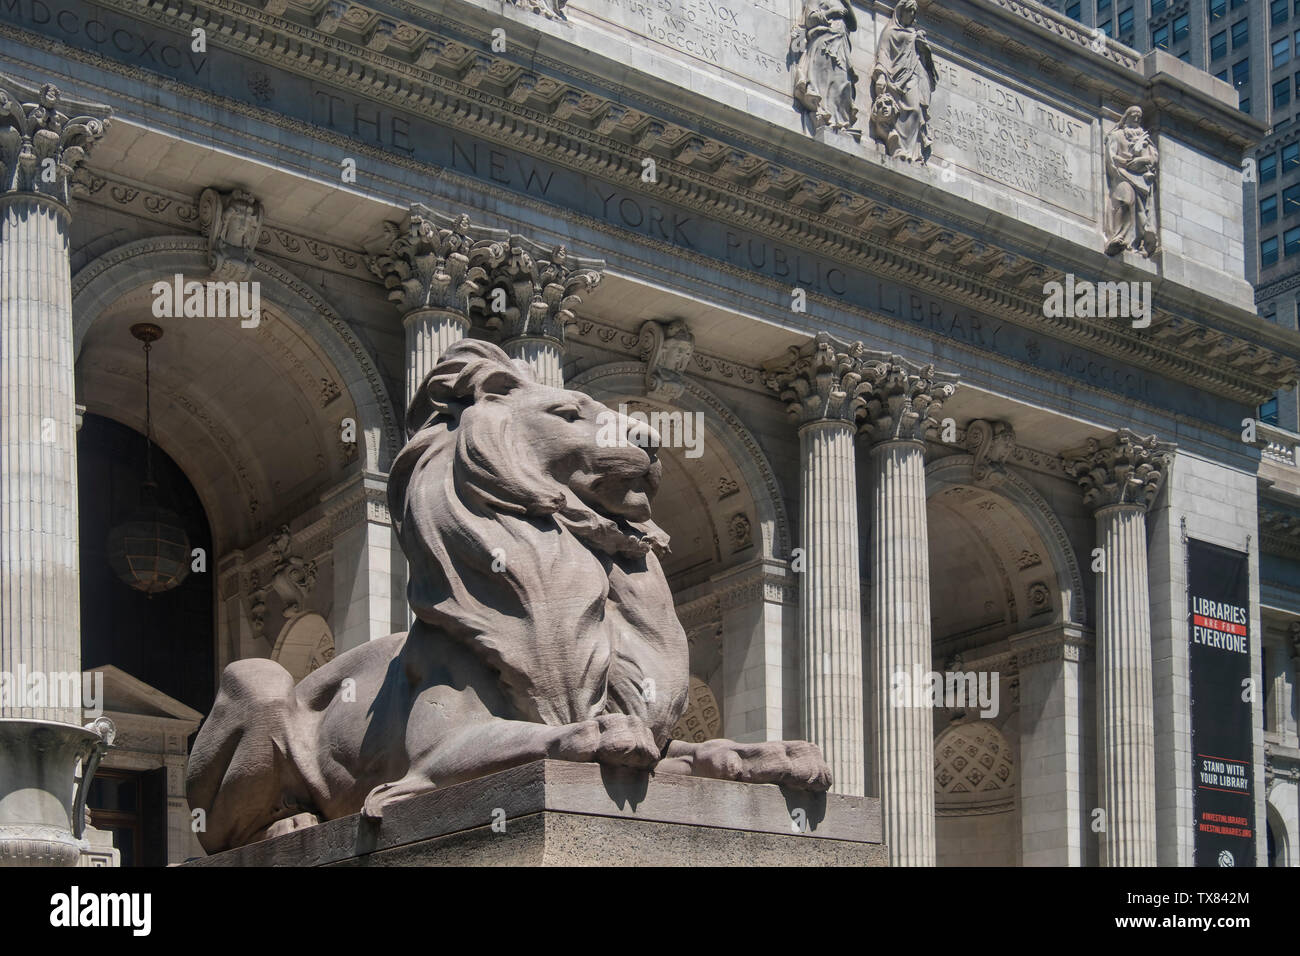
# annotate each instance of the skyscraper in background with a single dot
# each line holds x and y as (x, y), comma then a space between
(1254, 45)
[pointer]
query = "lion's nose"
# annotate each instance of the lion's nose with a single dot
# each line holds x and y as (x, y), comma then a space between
(641, 434)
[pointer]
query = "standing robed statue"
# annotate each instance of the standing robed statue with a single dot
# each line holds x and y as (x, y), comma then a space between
(825, 82)
(901, 84)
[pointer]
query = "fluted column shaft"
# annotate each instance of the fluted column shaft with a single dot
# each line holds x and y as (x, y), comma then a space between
(40, 617)
(900, 634)
(544, 356)
(830, 600)
(1126, 703)
(429, 333)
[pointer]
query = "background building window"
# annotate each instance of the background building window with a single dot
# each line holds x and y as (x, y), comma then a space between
(1243, 104)
(1281, 51)
(1290, 157)
(1181, 25)
(1241, 73)
(1240, 34)
(1126, 20)
(1219, 9)
(1185, 56)
(1269, 411)
(1268, 210)
(1268, 252)
(1281, 94)
(1219, 45)
(1238, 3)
(1103, 9)
(1222, 75)
(1268, 168)
(1160, 37)
(1291, 200)
(1158, 6)
(1072, 11)
(1106, 28)
(1279, 11)
(1291, 241)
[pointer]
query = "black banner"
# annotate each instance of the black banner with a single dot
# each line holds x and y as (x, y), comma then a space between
(1218, 626)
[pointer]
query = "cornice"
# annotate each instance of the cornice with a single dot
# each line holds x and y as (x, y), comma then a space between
(505, 102)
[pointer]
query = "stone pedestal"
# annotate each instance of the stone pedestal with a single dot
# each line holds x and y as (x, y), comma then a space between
(555, 813)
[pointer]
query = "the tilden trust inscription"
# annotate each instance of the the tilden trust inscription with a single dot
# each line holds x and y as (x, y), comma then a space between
(989, 129)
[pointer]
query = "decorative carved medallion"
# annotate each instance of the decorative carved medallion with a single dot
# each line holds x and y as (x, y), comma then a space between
(232, 223)
(990, 443)
(671, 346)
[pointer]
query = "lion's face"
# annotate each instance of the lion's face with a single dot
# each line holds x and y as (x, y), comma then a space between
(579, 443)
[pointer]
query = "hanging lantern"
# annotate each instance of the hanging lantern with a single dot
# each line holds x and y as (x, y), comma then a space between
(149, 549)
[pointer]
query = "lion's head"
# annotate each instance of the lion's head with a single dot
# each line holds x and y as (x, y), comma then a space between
(524, 513)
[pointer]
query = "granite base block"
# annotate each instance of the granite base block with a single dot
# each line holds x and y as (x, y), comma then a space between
(555, 813)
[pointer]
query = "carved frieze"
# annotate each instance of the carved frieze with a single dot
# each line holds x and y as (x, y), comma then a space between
(44, 138)
(1124, 468)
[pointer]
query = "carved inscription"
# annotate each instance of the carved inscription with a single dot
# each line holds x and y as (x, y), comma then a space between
(1002, 135)
(746, 37)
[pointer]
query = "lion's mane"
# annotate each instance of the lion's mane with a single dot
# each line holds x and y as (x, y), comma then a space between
(570, 606)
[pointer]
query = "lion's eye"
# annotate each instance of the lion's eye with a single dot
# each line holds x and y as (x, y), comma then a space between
(570, 413)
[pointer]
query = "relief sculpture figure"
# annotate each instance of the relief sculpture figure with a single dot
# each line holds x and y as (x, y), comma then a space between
(1132, 163)
(825, 82)
(902, 82)
(545, 626)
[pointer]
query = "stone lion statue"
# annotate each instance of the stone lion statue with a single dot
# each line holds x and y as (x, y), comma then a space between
(545, 627)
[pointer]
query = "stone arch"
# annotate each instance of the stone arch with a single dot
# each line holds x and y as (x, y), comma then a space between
(624, 380)
(303, 644)
(952, 477)
(101, 282)
(1276, 814)
(974, 765)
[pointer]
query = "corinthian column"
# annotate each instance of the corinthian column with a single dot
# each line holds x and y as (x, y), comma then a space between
(43, 140)
(528, 301)
(432, 265)
(901, 402)
(1120, 477)
(820, 387)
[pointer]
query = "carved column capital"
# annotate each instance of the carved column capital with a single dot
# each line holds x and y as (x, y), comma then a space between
(821, 381)
(530, 291)
(990, 443)
(44, 138)
(903, 399)
(668, 348)
(1122, 469)
(433, 261)
(232, 221)
(1293, 632)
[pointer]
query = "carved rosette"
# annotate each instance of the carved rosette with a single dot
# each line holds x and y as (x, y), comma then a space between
(990, 443)
(433, 261)
(902, 399)
(232, 221)
(1123, 469)
(823, 381)
(44, 138)
(669, 347)
(530, 291)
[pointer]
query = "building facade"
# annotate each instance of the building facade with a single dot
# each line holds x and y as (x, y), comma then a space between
(928, 509)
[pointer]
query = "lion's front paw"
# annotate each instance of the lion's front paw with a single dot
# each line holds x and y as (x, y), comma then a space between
(615, 739)
(788, 763)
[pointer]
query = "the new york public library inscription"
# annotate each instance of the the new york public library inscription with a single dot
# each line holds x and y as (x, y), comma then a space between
(987, 128)
(745, 37)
